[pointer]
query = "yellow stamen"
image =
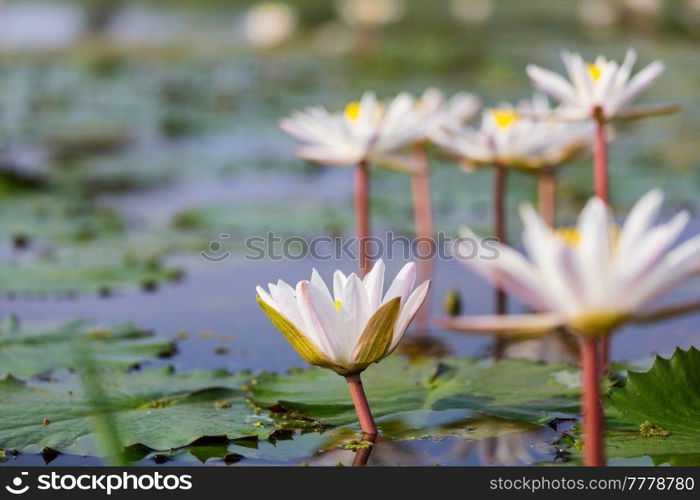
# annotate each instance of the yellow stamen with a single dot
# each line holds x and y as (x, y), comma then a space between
(504, 118)
(594, 71)
(569, 235)
(337, 305)
(352, 111)
(572, 237)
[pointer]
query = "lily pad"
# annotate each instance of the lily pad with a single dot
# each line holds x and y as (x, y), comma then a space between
(656, 412)
(513, 389)
(241, 220)
(26, 351)
(95, 268)
(47, 219)
(155, 408)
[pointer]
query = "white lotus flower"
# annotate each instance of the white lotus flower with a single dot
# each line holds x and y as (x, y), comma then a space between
(366, 131)
(269, 25)
(351, 328)
(602, 88)
(370, 13)
(442, 114)
(597, 13)
(471, 12)
(515, 137)
(592, 278)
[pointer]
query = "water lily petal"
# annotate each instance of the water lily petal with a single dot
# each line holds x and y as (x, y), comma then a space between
(374, 284)
(516, 324)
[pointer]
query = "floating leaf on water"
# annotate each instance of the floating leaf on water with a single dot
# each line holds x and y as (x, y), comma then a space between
(188, 412)
(26, 351)
(512, 389)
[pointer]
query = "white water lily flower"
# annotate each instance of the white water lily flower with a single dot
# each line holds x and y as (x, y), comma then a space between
(471, 12)
(515, 137)
(366, 131)
(602, 88)
(370, 13)
(351, 328)
(591, 278)
(269, 24)
(443, 114)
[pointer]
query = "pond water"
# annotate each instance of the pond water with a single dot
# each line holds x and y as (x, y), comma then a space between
(192, 130)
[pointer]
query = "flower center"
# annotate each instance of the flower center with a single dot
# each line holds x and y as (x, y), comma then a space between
(337, 305)
(352, 111)
(594, 71)
(572, 237)
(504, 118)
(569, 235)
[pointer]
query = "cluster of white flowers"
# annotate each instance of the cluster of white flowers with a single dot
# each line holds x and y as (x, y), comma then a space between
(529, 135)
(582, 284)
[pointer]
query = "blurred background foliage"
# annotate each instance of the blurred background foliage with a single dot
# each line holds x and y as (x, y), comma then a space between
(142, 128)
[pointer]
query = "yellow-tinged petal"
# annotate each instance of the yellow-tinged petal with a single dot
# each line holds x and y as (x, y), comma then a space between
(513, 324)
(378, 334)
(301, 344)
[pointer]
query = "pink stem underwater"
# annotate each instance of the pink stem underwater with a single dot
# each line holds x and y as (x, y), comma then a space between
(362, 455)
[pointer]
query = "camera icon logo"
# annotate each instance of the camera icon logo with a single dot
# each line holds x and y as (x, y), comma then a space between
(214, 253)
(17, 488)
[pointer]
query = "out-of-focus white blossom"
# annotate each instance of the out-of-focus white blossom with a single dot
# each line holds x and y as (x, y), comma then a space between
(441, 113)
(649, 9)
(517, 137)
(268, 25)
(471, 12)
(367, 130)
(370, 13)
(590, 279)
(597, 13)
(602, 87)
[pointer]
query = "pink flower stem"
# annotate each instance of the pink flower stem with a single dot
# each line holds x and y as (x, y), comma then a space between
(362, 455)
(547, 195)
(425, 232)
(600, 180)
(593, 447)
(600, 160)
(359, 399)
(500, 232)
(362, 215)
